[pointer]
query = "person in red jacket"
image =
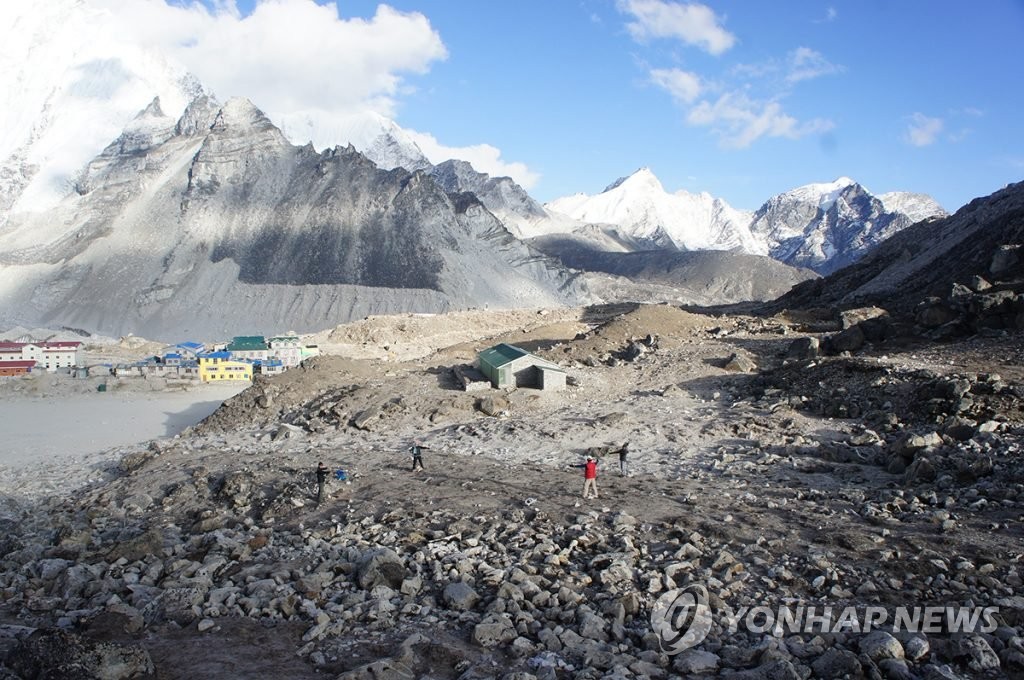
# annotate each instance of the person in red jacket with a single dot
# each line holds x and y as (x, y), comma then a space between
(590, 477)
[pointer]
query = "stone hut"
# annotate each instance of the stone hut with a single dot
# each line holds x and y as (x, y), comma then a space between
(510, 366)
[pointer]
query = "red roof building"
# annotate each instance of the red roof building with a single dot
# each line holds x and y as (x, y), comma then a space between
(12, 368)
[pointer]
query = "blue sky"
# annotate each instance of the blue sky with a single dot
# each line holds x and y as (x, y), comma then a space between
(741, 99)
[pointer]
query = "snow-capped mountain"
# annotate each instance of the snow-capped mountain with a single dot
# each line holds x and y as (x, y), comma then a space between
(827, 226)
(214, 223)
(820, 226)
(917, 207)
(376, 137)
(69, 85)
(641, 208)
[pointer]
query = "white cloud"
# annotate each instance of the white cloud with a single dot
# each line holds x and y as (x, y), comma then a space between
(291, 57)
(923, 130)
(805, 64)
(483, 158)
(682, 85)
(740, 121)
(831, 13)
(693, 23)
(288, 54)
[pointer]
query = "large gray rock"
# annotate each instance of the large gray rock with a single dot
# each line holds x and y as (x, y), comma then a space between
(381, 566)
(695, 661)
(740, 363)
(493, 631)
(460, 596)
(879, 644)
(977, 652)
(802, 349)
(493, 405)
(849, 340)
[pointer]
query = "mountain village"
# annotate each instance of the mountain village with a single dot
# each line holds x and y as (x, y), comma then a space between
(238, 360)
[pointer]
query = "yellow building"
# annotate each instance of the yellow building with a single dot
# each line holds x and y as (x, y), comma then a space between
(219, 366)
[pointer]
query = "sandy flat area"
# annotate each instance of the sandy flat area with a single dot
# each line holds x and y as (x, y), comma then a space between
(45, 429)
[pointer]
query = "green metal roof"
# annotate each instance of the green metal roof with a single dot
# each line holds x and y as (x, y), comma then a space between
(502, 354)
(247, 343)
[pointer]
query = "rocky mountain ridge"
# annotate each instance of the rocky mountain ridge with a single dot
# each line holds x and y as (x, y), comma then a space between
(827, 226)
(217, 211)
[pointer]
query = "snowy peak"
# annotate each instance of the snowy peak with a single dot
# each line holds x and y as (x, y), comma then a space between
(915, 206)
(822, 193)
(240, 113)
(826, 226)
(645, 212)
(199, 116)
(71, 84)
(378, 138)
(643, 180)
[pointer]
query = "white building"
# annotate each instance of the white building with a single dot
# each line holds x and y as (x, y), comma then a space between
(48, 355)
(287, 348)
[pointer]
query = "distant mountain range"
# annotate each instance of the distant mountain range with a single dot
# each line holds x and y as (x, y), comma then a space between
(208, 218)
(818, 226)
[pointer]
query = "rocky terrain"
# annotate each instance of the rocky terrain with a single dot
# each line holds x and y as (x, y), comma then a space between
(889, 477)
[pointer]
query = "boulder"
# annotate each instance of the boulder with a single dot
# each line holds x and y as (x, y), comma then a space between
(978, 284)
(933, 313)
(696, 661)
(849, 340)
(878, 645)
(493, 406)
(977, 652)
(238, 487)
(803, 349)
(149, 543)
(740, 363)
(460, 596)
(849, 318)
(381, 566)
(493, 631)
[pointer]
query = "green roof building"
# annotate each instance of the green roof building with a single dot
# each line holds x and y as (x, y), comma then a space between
(248, 347)
(510, 366)
(247, 343)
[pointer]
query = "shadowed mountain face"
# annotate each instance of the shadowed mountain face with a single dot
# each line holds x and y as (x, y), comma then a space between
(216, 223)
(825, 233)
(983, 239)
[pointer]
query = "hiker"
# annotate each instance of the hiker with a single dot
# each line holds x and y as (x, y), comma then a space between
(623, 450)
(417, 454)
(589, 476)
(321, 480)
